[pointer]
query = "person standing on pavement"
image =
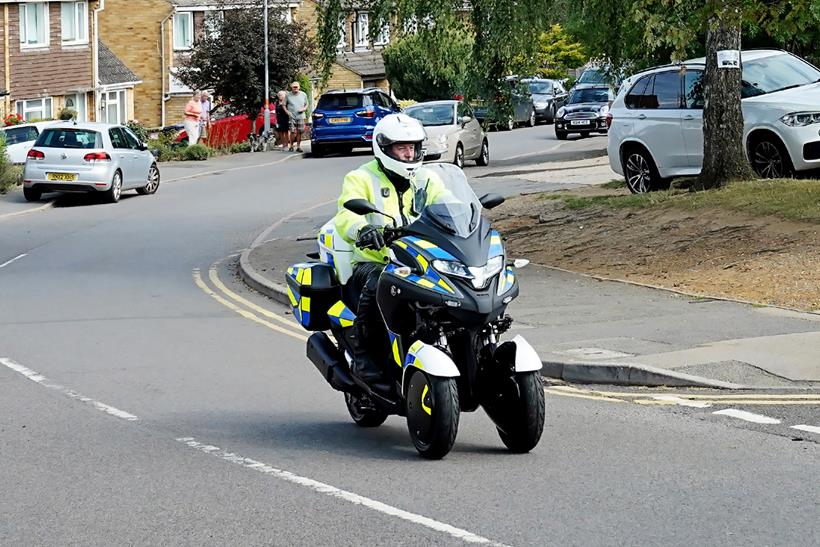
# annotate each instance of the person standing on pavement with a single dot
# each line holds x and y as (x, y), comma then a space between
(193, 110)
(282, 119)
(296, 105)
(205, 117)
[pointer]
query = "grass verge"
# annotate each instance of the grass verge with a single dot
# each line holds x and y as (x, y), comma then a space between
(786, 198)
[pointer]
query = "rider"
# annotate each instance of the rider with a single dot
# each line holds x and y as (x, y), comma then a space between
(392, 183)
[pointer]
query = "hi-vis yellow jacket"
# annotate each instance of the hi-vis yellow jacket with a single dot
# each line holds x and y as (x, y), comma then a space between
(370, 183)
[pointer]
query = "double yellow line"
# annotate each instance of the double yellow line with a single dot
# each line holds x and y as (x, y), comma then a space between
(676, 397)
(245, 307)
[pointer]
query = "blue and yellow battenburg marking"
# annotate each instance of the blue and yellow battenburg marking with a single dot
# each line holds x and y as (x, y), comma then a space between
(395, 347)
(411, 359)
(341, 314)
(303, 275)
(496, 247)
(326, 238)
(506, 281)
(424, 252)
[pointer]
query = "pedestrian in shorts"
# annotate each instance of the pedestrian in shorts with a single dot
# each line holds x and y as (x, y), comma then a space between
(296, 105)
(282, 120)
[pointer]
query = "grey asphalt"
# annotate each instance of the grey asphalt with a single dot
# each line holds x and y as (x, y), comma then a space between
(105, 304)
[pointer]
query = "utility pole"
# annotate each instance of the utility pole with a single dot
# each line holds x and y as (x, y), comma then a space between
(267, 82)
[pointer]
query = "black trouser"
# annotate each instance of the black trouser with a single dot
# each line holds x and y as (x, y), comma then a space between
(369, 325)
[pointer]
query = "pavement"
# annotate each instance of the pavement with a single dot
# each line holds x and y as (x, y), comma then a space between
(607, 332)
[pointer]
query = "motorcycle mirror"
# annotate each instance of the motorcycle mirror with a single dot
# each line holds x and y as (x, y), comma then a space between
(361, 206)
(488, 201)
(520, 262)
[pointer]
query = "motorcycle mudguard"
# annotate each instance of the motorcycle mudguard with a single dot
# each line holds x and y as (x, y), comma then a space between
(431, 360)
(519, 355)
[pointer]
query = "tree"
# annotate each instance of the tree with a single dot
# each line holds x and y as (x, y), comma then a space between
(230, 58)
(556, 52)
(412, 75)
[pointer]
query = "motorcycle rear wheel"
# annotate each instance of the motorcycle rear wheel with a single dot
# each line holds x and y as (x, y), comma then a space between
(523, 419)
(363, 412)
(432, 414)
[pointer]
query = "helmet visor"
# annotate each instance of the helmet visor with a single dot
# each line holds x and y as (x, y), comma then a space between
(405, 152)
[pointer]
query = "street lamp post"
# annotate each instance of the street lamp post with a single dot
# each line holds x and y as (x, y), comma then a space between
(266, 114)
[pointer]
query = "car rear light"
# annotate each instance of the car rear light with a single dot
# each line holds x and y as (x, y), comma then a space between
(318, 115)
(366, 113)
(368, 136)
(96, 156)
(609, 120)
(35, 155)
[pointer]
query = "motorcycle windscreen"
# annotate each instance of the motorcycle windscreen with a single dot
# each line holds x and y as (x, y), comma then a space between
(451, 202)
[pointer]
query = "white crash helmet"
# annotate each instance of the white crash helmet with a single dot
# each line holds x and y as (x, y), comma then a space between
(398, 129)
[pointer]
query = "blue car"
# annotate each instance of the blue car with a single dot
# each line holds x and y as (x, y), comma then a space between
(345, 119)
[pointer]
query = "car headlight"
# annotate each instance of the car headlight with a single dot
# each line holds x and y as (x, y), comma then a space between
(541, 105)
(441, 139)
(801, 119)
(478, 276)
(561, 112)
(604, 110)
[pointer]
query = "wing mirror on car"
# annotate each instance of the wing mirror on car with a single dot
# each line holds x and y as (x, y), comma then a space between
(464, 120)
(489, 201)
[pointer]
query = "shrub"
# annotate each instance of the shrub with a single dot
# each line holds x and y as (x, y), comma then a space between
(196, 152)
(13, 119)
(138, 129)
(240, 147)
(10, 175)
(67, 114)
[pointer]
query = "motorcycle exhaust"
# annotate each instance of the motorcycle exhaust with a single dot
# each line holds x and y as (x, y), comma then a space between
(330, 362)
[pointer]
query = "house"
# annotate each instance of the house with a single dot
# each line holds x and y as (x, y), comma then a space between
(48, 51)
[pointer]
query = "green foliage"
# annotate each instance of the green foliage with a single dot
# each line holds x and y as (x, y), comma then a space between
(240, 147)
(429, 65)
(229, 61)
(66, 114)
(138, 129)
(196, 152)
(557, 51)
(10, 175)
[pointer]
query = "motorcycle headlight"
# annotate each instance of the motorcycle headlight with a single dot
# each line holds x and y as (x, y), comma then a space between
(450, 267)
(478, 276)
(801, 119)
(561, 112)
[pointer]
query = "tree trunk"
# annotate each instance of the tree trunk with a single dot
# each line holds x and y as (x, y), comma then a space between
(723, 157)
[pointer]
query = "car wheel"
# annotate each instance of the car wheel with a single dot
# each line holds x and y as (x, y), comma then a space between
(640, 171)
(484, 159)
(561, 135)
(31, 194)
(153, 182)
(770, 160)
(112, 195)
(459, 157)
(551, 119)
(317, 150)
(531, 121)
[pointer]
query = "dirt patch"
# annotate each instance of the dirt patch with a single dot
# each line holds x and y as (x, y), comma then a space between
(711, 252)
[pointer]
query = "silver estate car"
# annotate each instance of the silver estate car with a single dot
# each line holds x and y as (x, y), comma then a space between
(89, 157)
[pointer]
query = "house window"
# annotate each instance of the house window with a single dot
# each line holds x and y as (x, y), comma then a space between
(77, 103)
(360, 35)
(114, 107)
(342, 33)
(383, 37)
(74, 22)
(183, 31)
(35, 109)
(33, 24)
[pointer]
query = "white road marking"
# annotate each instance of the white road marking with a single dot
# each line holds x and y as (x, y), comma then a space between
(683, 402)
(809, 428)
(338, 493)
(747, 416)
(35, 376)
(48, 205)
(7, 262)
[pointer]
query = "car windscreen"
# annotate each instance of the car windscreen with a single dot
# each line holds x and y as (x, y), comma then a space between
(592, 76)
(69, 138)
(16, 135)
(432, 115)
(340, 101)
(776, 73)
(590, 95)
(540, 88)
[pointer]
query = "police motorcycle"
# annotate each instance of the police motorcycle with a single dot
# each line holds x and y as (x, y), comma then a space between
(443, 297)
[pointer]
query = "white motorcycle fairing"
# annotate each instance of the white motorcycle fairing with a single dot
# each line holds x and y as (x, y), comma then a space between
(431, 360)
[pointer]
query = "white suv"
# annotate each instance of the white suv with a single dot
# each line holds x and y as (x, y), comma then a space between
(656, 121)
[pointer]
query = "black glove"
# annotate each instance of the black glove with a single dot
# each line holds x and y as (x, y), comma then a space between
(370, 237)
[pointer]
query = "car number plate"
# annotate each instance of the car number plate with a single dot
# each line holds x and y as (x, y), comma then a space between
(339, 120)
(579, 122)
(70, 177)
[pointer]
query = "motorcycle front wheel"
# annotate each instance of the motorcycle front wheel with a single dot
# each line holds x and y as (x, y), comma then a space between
(521, 421)
(432, 414)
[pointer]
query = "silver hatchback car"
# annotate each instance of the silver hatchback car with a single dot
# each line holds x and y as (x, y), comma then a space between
(89, 157)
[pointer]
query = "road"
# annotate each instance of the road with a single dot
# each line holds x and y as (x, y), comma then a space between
(147, 397)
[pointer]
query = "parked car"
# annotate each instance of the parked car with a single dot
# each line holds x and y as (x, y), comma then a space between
(585, 112)
(656, 122)
(343, 120)
(453, 133)
(547, 97)
(91, 158)
(20, 138)
(229, 127)
(523, 110)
